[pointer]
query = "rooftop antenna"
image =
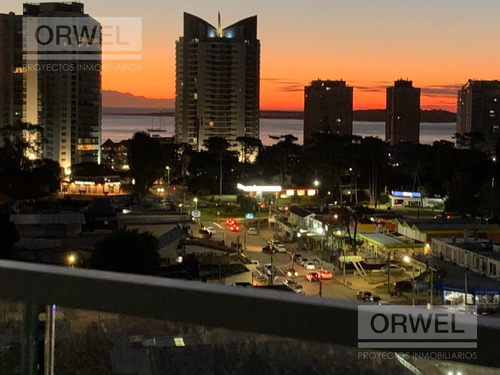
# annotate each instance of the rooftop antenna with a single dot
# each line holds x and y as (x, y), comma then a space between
(219, 28)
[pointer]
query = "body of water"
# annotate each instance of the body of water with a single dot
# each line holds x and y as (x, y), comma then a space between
(117, 128)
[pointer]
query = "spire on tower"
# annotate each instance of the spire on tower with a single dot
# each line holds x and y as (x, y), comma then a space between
(219, 28)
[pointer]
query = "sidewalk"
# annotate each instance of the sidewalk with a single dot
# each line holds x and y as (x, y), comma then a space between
(359, 283)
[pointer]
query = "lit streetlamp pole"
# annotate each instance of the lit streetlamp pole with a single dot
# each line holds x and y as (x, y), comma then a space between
(168, 175)
(195, 200)
(339, 235)
(407, 259)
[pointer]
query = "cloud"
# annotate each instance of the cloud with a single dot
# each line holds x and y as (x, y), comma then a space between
(441, 90)
(285, 84)
(370, 88)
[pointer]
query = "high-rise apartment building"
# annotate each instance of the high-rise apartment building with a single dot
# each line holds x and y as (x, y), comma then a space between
(478, 113)
(402, 122)
(11, 70)
(63, 95)
(327, 108)
(217, 81)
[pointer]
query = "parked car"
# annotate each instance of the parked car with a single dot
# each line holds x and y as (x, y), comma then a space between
(313, 276)
(268, 249)
(296, 287)
(382, 303)
(394, 268)
(297, 258)
(373, 298)
(363, 295)
(403, 286)
(252, 231)
(303, 262)
(291, 272)
(269, 269)
(203, 233)
(310, 265)
(211, 230)
(326, 275)
(316, 261)
(280, 248)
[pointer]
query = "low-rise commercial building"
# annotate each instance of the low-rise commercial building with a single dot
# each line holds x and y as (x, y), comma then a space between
(482, 257)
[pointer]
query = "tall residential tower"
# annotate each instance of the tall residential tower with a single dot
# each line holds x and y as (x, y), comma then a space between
(402, 122)
(327, 108)
(63, 94)
(478, 114)
(217, 81)
(11, 70)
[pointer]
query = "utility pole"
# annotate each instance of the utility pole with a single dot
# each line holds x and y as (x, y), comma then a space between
(492, 195)
(272, 269)
(276, 217)
(258, 219)
(432, 287)
(389, 272)
(245, 235)
(220, 180)
(465, 301)
(413, 283)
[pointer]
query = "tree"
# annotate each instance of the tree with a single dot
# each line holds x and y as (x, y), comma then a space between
(280, 158)
(145, 160)
(21, 176)
(351, 216)
(128, 251)
(212, 170)
(249, 146)
(23, 142)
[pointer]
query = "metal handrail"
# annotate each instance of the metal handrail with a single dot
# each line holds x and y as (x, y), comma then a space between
(243, 309)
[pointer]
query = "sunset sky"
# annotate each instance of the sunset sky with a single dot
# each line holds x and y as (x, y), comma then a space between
(368, 43)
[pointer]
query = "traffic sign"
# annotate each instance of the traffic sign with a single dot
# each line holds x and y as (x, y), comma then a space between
(249, 216)
(195, 213)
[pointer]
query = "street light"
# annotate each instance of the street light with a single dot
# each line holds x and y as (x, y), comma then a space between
(195, 200)
(316, 183)
(339, 244)
(407, 259)
(168, 175)
(71, 259)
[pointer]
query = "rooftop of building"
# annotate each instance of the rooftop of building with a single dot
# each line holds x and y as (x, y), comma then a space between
(48, 218)
(328, 83)
(39, 9)
(448, 224)
(296, 210)
(389, 241)
(453, 277)
(403, 83)
(210, 244)
(480, 247)
(473, 83)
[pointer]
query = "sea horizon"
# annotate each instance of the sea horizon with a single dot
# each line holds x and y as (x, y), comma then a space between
(120, 127)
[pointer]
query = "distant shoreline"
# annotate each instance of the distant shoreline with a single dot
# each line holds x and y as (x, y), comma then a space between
(369, 115)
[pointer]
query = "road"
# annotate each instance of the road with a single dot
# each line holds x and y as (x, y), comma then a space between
(255, 243)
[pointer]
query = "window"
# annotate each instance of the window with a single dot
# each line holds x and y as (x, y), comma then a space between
(493, 269)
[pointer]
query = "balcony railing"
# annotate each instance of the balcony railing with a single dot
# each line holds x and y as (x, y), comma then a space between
(252, 310)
